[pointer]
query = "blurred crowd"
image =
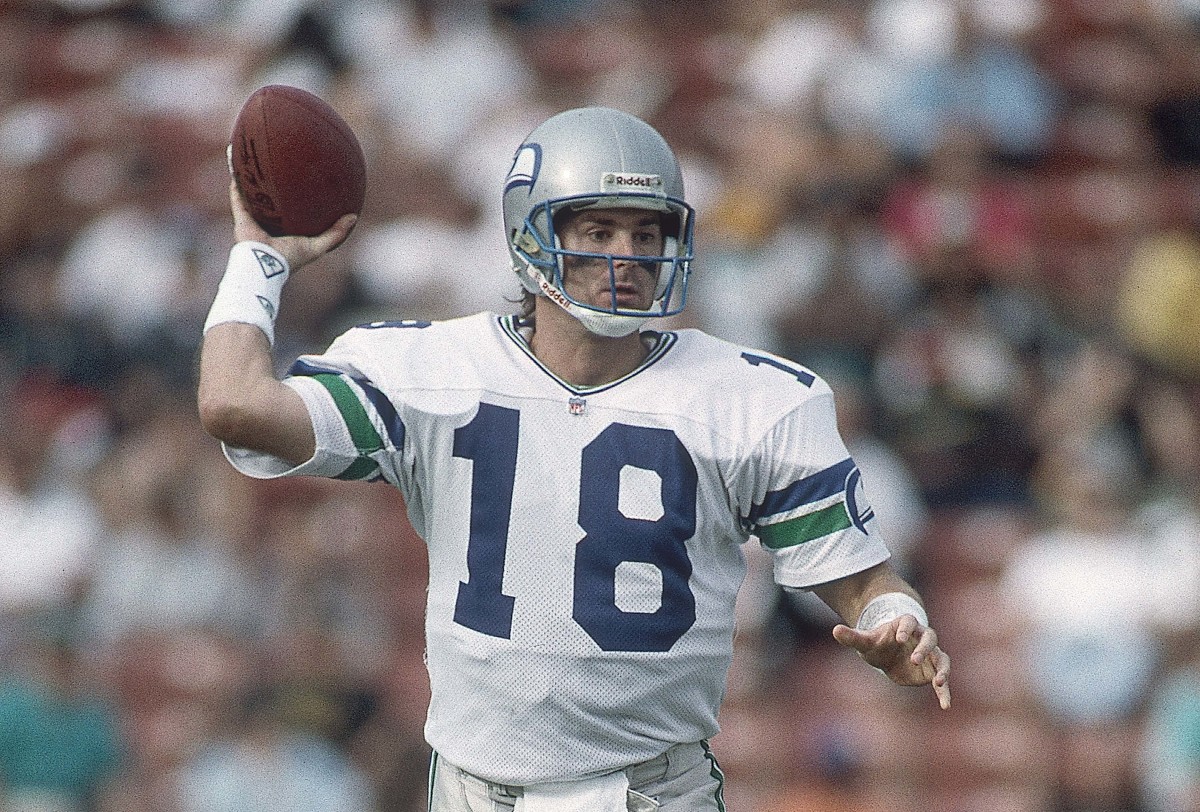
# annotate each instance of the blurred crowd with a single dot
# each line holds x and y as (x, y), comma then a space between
(979, 219)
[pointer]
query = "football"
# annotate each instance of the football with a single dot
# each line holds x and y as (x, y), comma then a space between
(296, 162)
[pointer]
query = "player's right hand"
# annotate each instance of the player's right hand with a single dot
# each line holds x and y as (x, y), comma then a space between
(298, 251)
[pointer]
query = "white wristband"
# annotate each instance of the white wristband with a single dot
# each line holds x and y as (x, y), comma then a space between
(250, 290)
(887, 607)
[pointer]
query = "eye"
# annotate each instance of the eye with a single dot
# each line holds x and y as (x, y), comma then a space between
(649, 241)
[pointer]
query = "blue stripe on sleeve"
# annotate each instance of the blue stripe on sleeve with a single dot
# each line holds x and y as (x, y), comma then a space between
(820, 485)
(387, 412)
(383, 406)
(307, 369)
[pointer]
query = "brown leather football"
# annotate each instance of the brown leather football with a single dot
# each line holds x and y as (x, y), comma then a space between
(297, 163)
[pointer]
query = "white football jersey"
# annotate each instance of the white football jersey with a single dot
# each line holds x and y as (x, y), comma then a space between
(584, 544)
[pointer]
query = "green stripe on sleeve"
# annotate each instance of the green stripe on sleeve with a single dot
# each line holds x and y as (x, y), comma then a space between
(361, 468)
(805, 528)
(358, 423)
(362, 431)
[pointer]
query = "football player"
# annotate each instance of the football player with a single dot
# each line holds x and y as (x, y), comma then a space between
(584, 483)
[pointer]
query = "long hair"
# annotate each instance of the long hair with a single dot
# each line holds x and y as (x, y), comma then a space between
(527, 302)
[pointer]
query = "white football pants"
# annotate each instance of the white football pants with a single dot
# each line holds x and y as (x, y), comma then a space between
(686, 778)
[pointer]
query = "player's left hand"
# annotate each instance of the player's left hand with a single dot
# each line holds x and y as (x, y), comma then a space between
(904, 650)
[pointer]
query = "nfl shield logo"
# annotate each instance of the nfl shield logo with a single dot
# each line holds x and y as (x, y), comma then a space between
(576, 405)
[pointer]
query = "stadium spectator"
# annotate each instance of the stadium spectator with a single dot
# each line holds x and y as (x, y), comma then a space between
(1083, 161)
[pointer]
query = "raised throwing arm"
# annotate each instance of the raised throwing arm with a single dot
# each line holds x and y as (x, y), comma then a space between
(240, 399)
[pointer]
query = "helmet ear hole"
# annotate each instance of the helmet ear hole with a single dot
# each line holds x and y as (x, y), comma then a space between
(671, 225)
(559, 221)
(665, 274)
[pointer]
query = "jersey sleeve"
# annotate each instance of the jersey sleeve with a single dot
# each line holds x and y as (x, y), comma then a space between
(810, 508)
(359, 434)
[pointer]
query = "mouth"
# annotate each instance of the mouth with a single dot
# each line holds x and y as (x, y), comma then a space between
(626, 296)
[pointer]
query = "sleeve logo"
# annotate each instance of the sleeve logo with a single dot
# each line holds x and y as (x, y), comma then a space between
(857, 507)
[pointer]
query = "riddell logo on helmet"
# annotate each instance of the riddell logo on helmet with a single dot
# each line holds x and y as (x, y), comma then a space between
(615, 180)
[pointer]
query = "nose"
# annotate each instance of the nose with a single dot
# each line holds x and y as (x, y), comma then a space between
(623, 245)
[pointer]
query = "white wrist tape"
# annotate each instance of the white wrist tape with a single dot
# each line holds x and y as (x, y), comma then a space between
(250, 290)
(887, 607)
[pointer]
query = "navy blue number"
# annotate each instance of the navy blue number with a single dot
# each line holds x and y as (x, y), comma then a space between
(490, 441)
(799, 374)
(613, 538)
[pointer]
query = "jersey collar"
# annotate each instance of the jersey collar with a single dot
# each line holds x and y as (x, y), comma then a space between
(515, 327)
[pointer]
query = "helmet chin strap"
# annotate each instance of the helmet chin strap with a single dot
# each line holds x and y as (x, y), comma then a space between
(609, 325)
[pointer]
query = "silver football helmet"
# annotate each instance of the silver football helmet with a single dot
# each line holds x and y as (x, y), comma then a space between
(596, 157)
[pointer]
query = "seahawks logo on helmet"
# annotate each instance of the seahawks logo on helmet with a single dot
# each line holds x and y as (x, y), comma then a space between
(857, 507)
(527, 163)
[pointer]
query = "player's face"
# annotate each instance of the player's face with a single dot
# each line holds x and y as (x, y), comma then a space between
(628, 232)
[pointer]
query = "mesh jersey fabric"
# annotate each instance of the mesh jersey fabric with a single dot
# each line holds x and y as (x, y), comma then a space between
(584, 544)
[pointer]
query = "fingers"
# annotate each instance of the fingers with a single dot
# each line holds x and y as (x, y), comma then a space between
(935, 665)
(303, 250)
(925, 645)
(906, 627)
(337, 233)
(941, 678)
(298, 251)
(942, 691)
(852, 638)
(878, 638)
(886, 647)
(244, 227)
